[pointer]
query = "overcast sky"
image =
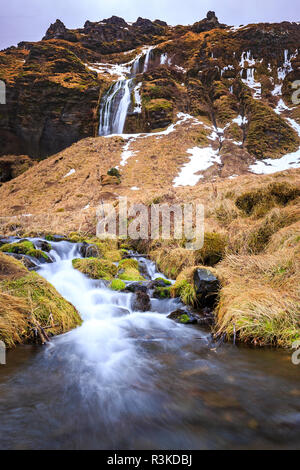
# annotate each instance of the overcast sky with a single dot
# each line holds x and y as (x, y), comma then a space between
(28, 20)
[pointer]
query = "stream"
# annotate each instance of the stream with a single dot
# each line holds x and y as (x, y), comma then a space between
(138, 380)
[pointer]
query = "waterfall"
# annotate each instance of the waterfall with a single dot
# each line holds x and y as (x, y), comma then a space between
(114, 108)
(115, 103)
(147, 58)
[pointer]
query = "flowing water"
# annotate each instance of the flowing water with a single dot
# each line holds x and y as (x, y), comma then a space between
(116, 102)
(133, 380)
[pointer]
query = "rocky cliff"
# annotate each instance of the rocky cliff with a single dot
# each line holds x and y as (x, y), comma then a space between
(209, 70)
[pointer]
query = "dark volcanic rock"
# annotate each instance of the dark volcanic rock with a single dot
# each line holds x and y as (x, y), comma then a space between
(182, 316)
(42, 245)
(207, 286)
(26, 260)
(136, 287)
(56, 30)
(89, 251)
(210, 22)
(141, 302)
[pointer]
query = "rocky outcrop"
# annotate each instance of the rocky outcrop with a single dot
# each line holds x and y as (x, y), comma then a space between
(52, 102)
(208, 23)
(141, 302)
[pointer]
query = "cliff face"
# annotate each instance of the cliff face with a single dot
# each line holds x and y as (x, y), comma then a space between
(217, 72)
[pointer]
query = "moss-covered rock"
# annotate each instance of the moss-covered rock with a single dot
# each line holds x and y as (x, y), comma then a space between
(30, 307)
(162, 292)
(117, 284)
(130, 274)
(25, 248)
(95, 268)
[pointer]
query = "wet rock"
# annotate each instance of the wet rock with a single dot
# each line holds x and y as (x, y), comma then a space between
(137, 287)
(206, 318)
(26, 260)
(141, 302)
(89, 251)
(43, 245)
(182, 316)
(207, 286)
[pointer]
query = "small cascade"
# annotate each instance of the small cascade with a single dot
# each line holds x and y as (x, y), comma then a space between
(147, 58)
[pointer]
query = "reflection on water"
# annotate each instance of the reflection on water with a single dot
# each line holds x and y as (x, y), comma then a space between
(132, 380)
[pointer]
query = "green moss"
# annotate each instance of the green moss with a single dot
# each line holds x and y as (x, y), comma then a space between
(131, 274)
(114, 172)
(165, 281)
(95, 268)
(129, 263)
(162, 292)
(269, 136)
(184, 318)
(24, 248)
(213, 249)
(158, 105)
(117, 284)
(38, 302)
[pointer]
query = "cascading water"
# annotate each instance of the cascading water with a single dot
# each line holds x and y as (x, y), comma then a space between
(116, 102)
(113, 110)
(127, 379)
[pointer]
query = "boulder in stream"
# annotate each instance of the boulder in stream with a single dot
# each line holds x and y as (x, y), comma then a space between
(182, 316)
(141, 302)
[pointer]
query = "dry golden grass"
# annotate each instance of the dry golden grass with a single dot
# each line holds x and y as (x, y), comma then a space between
(28, 303)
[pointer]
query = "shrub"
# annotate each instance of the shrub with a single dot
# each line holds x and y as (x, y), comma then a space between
(114, 172)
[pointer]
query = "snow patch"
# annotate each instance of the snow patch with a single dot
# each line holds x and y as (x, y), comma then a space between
(200, 160)
(71, 172)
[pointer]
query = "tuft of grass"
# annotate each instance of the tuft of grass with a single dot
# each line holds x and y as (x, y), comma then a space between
(28, 302)
(95, 268)
(186, 291)
(129, 263)
(117, 284)
(262, 200)
(131, 274)
(213, 249)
